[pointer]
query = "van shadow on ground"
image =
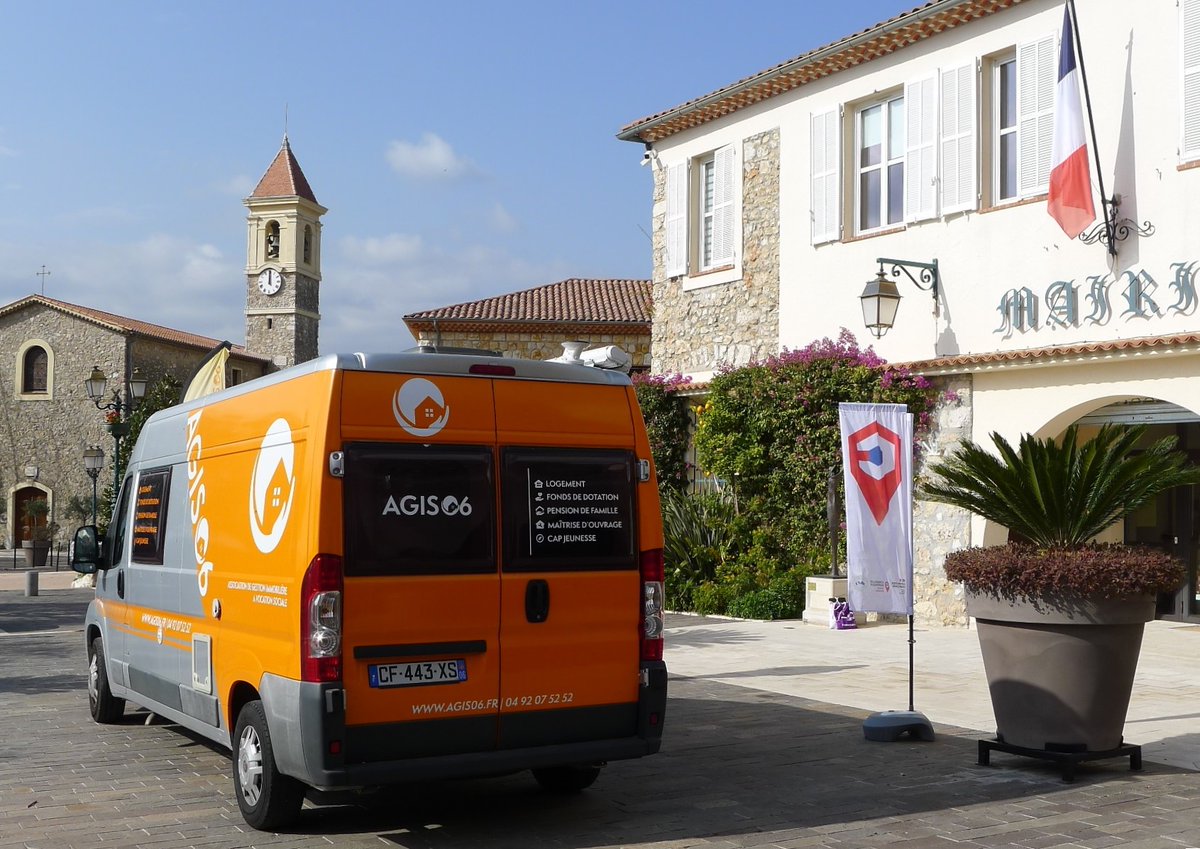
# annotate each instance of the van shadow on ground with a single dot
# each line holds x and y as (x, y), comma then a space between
(62, 609)
(737, 763)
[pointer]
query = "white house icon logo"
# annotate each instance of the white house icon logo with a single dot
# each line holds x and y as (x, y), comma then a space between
(419, 407)
(272, 486)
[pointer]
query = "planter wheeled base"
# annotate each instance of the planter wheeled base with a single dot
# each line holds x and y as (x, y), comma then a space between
(1067, 759)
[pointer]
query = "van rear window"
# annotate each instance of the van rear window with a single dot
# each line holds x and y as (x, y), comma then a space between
(419, 510)
(568, 509)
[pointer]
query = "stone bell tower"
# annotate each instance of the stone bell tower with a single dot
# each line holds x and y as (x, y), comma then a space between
(283, 264)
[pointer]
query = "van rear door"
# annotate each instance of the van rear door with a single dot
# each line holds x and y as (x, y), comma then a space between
(421, 659)
(569, 582)
(421, 653)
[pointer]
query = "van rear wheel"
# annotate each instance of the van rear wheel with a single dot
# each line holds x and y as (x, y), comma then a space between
(104, 706)
(268, 798)
(567, 779)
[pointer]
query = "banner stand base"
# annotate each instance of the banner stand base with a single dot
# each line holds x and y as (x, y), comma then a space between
(890, 725)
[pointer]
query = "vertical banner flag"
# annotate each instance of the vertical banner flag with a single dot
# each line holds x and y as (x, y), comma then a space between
(210, 374)
(877, 468)
(1070, 202)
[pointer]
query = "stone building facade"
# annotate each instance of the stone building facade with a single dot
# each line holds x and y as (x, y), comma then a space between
(534, 323)
(49, 348)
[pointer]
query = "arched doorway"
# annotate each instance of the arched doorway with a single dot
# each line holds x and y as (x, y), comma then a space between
(20, 524)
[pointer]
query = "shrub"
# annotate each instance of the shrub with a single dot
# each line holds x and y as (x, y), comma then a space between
(1020, 570)
(698, 534)
(668, 426)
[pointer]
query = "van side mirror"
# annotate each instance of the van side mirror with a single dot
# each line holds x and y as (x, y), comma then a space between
(85, 553)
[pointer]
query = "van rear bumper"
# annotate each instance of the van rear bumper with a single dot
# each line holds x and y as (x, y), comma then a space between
(304, 719)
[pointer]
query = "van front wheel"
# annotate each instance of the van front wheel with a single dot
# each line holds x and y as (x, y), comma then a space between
(268, 798)
(566, 779)
(104, 706)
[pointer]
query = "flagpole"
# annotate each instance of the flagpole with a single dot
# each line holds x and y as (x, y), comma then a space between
(1111, 243)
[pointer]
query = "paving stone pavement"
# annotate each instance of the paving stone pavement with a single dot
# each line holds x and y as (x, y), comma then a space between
(740, 767)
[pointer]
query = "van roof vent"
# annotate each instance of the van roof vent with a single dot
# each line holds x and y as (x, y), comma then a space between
(442, 349)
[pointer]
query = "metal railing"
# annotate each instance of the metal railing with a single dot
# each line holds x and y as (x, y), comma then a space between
(57, 559)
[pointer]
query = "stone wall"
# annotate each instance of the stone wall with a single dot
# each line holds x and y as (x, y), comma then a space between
(546, 345)
(939, 529)
(728, 323)
(51, 431)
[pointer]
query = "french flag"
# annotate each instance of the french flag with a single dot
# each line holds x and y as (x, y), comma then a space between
(1070, 201)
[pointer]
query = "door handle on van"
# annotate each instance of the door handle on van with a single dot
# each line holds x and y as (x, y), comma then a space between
(537, 600)
(120, 583)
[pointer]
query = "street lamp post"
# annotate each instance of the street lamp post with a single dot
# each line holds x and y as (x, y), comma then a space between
(118, 408)
(93, 460)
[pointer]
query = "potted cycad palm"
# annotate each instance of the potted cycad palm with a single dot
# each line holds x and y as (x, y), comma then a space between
(1060, 618)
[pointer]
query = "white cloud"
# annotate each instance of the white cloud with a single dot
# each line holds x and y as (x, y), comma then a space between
(162, 279)
(396, 247)
(431, 158)
(368, 284)
(7, 151)
(363, 301)
(239, 186)
(502, 220)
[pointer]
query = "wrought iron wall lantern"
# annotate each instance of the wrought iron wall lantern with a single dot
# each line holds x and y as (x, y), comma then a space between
(881, 297)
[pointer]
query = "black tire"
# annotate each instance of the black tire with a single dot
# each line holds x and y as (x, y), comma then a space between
(104, 706)
(268, 798)
(566, 779)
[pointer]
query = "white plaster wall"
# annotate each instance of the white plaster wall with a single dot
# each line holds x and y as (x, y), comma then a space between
(1133, 65)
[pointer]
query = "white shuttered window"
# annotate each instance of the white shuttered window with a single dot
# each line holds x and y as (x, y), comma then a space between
(958, 170)
(676, 222)
(718, 209)
(1189, 14)
(825, 162)
(921, 153)
(1037, 68)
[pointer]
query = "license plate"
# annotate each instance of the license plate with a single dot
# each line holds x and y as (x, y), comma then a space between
(417, 674)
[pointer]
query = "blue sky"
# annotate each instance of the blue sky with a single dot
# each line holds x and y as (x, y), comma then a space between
(464, 150)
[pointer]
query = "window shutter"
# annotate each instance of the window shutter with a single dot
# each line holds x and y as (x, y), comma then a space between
(825, 160)
(1189, 12)
(1037, 68)
(724, 165)
(676, 222)
(920, 158)
(958, 139)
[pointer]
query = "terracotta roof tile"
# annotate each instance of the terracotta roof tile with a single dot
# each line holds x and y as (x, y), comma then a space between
(1061, 354)
(284, 178)
(872, 43)
(121, 324)
(573, 301)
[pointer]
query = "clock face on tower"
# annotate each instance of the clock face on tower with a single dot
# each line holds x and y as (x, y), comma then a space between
(269, 281)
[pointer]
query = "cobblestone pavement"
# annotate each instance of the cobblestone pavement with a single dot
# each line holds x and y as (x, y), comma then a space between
(740, 767)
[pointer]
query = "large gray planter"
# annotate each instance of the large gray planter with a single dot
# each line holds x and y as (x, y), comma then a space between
(1060, 671)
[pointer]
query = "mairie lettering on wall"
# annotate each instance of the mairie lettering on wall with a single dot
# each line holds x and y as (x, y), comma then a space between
(1020, 309)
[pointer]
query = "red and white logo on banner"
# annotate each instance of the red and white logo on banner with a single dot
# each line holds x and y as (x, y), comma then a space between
(876, 467)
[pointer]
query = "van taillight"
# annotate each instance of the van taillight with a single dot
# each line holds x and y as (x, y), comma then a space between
(321, 620)
(652, 604)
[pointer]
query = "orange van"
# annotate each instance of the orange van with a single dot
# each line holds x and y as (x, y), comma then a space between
(369, 569)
